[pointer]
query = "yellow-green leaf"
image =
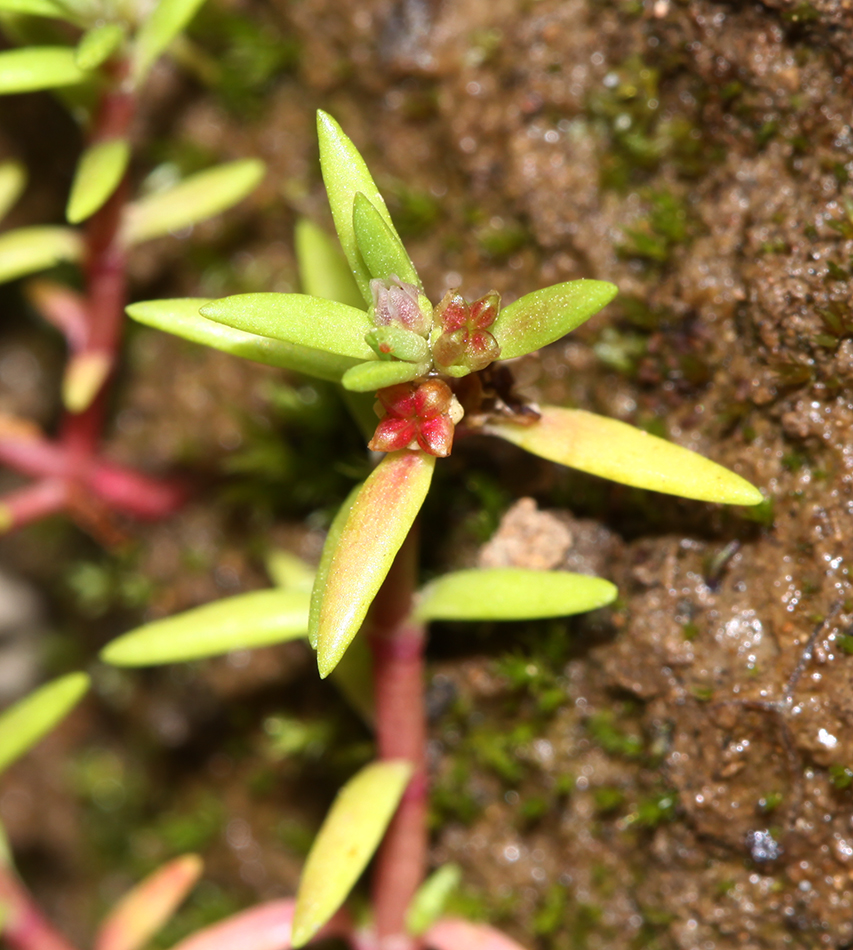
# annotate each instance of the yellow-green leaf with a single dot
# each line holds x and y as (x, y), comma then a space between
(158, 29)
(34, 8)
(512, 593)
(28, 250)
(13, 180)
(379, 520)
(98, 173)
(428, 903)
(368, 377)
(38, 67)
(297, 318)
(181, 317)
(350, 834)
(257, 619)
(194, 199)
(345, 174)
(323, 269)
(380, 247)
(332, 537)
(98, 44)
(540, 318)
(144, 909)
(24, 724)
(617, 451)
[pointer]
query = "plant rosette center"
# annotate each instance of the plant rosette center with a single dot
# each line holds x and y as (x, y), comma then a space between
(452, 341)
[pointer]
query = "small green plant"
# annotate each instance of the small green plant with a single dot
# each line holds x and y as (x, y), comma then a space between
(96, 58)
(417, 377)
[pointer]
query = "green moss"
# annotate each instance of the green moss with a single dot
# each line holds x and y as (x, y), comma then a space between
(653, 810)
(841, 776)
(415, 211)
(845, 643)
(608, 799)
(500, 238)
(606, 731)
(666, 227)
(552, 912)
(802, 13)
(247, 56)
(770, 802)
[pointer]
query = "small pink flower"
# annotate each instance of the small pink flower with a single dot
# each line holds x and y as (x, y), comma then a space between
(421, 414)
(465, 341)
(398, 304)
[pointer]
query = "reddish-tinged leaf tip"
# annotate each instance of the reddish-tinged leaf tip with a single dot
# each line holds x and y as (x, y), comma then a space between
(141, 913)
(453, 933)
(378, 522)
(265, 927)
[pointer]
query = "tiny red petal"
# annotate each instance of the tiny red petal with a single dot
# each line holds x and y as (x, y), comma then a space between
(485, 311)
(436, 436)
(398, 400)
(432, 399)
(452, 313)
(391, 435)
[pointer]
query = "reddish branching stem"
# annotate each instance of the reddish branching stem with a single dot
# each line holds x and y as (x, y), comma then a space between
(72, 460)
(397, 643)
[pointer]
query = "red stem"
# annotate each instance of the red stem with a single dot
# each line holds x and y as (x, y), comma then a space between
(106, 278)
(397, 643)
(25, 927)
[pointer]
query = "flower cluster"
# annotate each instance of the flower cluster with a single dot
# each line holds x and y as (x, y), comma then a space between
(452, 341)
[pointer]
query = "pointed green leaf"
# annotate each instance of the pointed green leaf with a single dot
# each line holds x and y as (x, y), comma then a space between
(323, 269)
(27, 250)
(145, 908)
(297, 318)
(368, 377)
(13, 180)
(428, 903)
(379, 521)
(257, 619)
(289, 572)
(181, 317)
(194, 199)
(34, 8)
(345, 174)
(379, 245)
(350, 834)
(512, 593)
(158, 30)
(544, 316)
(24, 724)
(38, 67)
(98, 44)
(330, 545)
(100, 169)
(617, 451)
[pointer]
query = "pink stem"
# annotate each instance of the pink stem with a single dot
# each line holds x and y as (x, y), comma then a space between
(135, 493)
(106, 277)
(33, 456)
(33, 502)
(25, 927)
(398, 643)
